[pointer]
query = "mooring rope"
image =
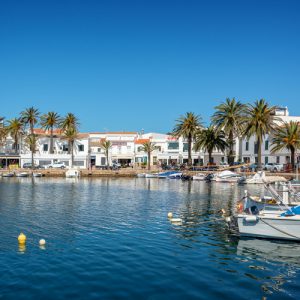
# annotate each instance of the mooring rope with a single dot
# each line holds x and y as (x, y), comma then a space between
(282, 231)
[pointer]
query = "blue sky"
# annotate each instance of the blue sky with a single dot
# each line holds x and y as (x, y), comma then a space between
(132, 65)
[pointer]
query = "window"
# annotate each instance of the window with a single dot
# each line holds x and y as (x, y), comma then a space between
(173, 146)
(80, 148)
(79, 163)
(65, 148)
(140, 149)
(99, 149)
(45, 147)
(247, 146)
(103, 161)
(255, 148)
(267, 145)
(266, 160)
(185, 147)
(277, 159)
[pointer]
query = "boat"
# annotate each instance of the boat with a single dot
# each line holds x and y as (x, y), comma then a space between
(261, 178)
(73, 173)
(141, 175)
(166, 174)
(37, 174)
(200, 176)
(227, 176)
(22, 174)
(176, 175)
(9, 174)
(274, 218)
(151, 175)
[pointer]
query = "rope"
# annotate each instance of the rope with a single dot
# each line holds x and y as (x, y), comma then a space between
(291, 235)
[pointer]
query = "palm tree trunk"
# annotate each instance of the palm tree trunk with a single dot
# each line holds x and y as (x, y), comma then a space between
(209, 157)
(259, 154)
(293, 158)
(149, 157)
(32, 163)
(107, 162)
(16, 143)
(72, 153)
(230, 154)
(51, 141)
(189, 150)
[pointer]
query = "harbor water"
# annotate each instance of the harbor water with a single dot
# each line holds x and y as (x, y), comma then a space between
(111, 238)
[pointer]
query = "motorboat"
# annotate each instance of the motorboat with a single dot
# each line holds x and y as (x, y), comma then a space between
(8, 174)
(37, 174)
(200, 176)
(141, 175)
(273, 218)
(73, 173)
(227, 176)
(166, 174)
(151, 175)
(261, 178)
(176, 175)
(22, 174)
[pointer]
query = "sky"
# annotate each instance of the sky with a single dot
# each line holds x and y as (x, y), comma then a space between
(139, 65)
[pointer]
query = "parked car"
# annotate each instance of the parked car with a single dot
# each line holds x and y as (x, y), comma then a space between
(55, 165)
(251, 168)
(274, 167)
(29, 166)
(224, 164)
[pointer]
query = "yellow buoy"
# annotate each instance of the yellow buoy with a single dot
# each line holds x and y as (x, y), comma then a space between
(170, 215)
(42, 242)
(22, 238)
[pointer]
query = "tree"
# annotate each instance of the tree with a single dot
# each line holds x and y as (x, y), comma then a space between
(30, 116)
(229, 117)
(16, 130)
(148, 147)
(31, 141)
(70, 120)
(48, 122)
(259, 121)
(287, 137)
(106, 146)
(187, 127)
(70, 134)
(209, 139)
(3, 132)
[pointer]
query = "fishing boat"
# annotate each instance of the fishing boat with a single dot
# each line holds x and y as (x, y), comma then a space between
(176, 175)
(37, 175)
(163, 175)
(200, 176)
(261, 178)
(22, 174)
(273, 218)
(227, 176)
(141, 175)
(151, 175)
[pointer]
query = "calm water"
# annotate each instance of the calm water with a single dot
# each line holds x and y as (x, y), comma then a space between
(111, 239)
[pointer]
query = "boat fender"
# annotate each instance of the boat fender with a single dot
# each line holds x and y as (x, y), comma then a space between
(250, 219)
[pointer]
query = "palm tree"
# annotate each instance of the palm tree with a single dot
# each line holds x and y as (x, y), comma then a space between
(49, 121)
(30, 116)
(106, 145)
(229, 117)
(70, 134)
(287, 137)
(187, 127)
(148, 147)
(31, 141)
(70, 120)
(209, 139)
(15, 129)
(3, 132)
(259, 121)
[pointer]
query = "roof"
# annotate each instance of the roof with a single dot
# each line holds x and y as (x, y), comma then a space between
(141, 141)
(40, 131)
(116, 132)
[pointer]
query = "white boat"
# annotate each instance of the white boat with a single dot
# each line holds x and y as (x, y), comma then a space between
(176, 175)
(9, 174)
(261, 178)
(151, 175)
(37, 174)
(73, 173)
(200, 176)
(22, 174)
(141, 175)
(165, 174)
(227, 176)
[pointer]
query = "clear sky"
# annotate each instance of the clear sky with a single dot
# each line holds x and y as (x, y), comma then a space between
(132, 65)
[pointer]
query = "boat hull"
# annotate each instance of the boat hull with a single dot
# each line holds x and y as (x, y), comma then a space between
(271, 227)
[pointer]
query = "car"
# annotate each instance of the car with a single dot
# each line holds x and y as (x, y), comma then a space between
(224, 164)
(274, 167)
(55, 165)
(29, 166)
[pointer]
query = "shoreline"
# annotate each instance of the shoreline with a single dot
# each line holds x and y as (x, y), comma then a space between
(127, 173)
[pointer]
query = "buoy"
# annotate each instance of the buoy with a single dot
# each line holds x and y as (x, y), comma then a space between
(22, 238)
(170, 215)
(176, 221)
(42, 242)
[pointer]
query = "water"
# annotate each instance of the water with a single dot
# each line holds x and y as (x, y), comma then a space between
(111, 239)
